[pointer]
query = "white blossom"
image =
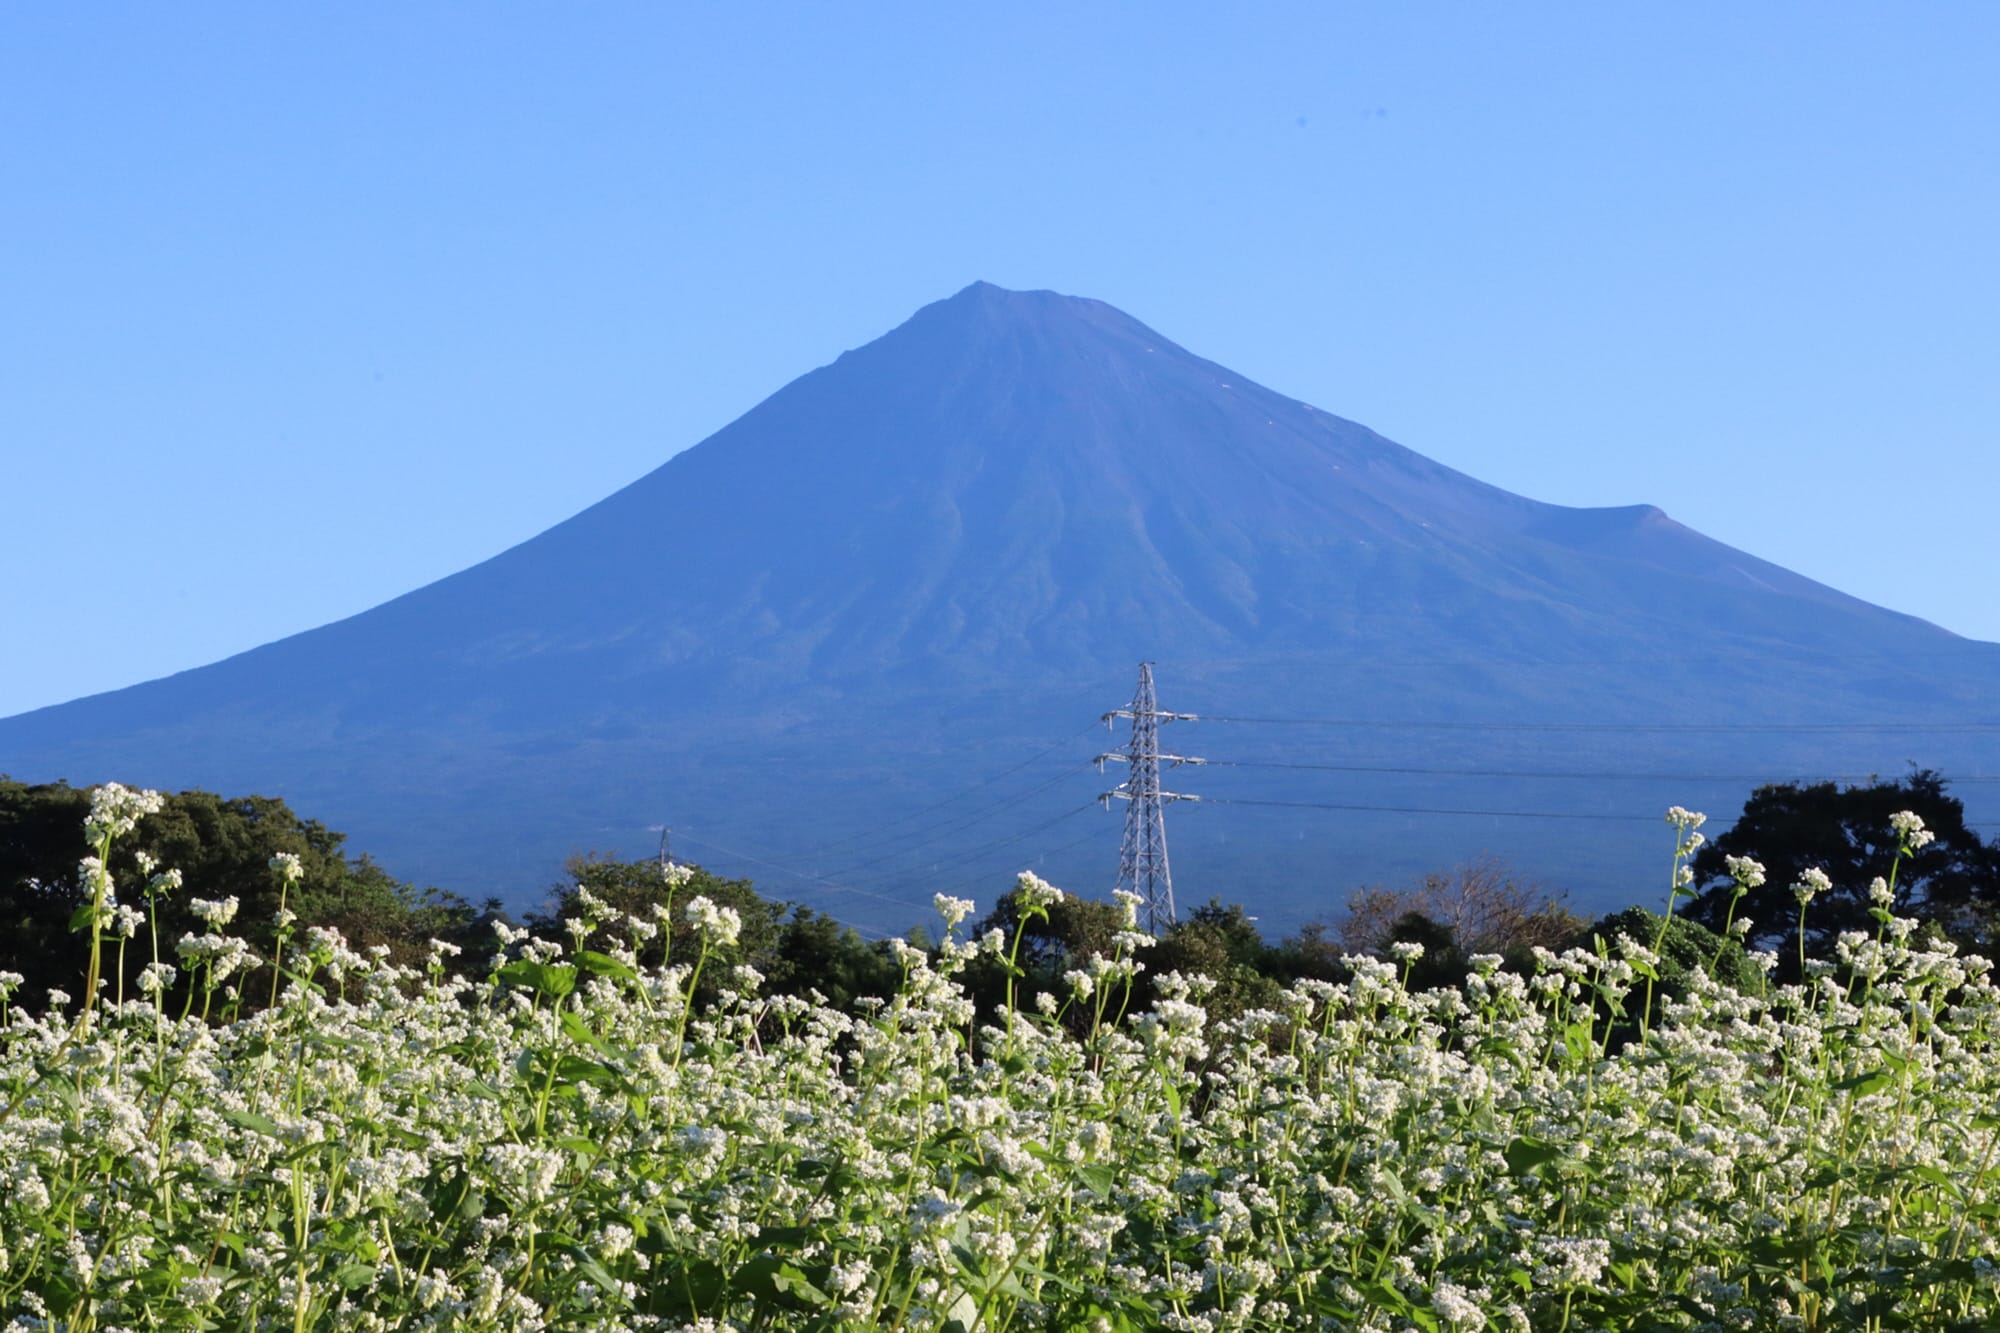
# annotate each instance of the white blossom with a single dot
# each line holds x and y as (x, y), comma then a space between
(1032, 891)
(720, 925)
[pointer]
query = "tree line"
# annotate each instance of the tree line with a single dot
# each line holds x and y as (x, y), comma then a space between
(224, 847)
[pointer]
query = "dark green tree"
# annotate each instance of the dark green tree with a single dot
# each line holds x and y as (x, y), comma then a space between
(1443, 963)
(1073, 931)
(817, 953)
(1313, 954)
(222, 847)
(1684, 948)
(1846, 831)
(643, 890)
(1220, 941)
(796, 949)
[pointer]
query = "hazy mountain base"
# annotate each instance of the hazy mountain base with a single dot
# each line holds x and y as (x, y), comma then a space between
(497, 811)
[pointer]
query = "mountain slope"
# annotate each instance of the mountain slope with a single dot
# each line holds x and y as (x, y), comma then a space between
(959, 539)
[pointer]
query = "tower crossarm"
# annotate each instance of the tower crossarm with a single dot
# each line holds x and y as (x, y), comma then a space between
(1156, 716)
(1116, 758)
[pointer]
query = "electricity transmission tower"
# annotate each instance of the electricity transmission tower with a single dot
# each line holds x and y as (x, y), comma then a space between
(1142, 859)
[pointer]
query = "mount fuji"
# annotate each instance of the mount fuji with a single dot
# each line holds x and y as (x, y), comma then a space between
(853, 645)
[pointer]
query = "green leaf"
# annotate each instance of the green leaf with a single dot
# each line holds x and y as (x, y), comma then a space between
(551, 979)
(1781, 1252)
(691, 1290)
(580, 1032)
(1526, 1154)
(594, 1269)
(573, 1069)
(1098, 1179)
(251, 1120)
(963, 1316)
(785, 1238)
(970, 1262)
(1938, 1178)
(604, 965)
(1862, 1085)
(794, 1283)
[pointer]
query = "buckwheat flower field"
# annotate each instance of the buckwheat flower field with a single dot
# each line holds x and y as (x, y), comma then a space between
(571, 1144)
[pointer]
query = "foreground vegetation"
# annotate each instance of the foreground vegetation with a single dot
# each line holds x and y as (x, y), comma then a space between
(619, 1129)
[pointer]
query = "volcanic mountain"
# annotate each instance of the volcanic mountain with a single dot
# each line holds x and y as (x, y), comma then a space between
(850, 645)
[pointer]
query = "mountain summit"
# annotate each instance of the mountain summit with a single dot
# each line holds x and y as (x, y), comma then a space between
(907, 569)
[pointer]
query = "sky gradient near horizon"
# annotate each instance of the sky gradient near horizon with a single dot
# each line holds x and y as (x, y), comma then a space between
(303, 309)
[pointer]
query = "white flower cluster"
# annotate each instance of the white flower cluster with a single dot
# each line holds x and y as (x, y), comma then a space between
(1032, 891)
(215, 913)
(1810, 884)
(116, 810)
(1748, 872)
(953, 910)
(608, 1155)
(1911, 835)
(717, 924)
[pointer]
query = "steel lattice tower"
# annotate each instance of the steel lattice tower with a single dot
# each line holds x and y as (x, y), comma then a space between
(1142, 859)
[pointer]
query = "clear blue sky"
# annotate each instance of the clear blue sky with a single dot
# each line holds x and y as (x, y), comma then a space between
(304, 306)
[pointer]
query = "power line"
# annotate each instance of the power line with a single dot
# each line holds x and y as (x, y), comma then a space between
(970, 886)
(966, 859)
(962, 860)
(1442, 810)
(946, 830)
(815, 881)
(1541, 773)
(1428, 810)
(1717, 728)
(909, 843)
(1977, 651)
(1012, 838)
(869, 840)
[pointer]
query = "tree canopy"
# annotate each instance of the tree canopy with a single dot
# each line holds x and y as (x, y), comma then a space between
(794, 948)
(1846, 832)
(222, 847)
